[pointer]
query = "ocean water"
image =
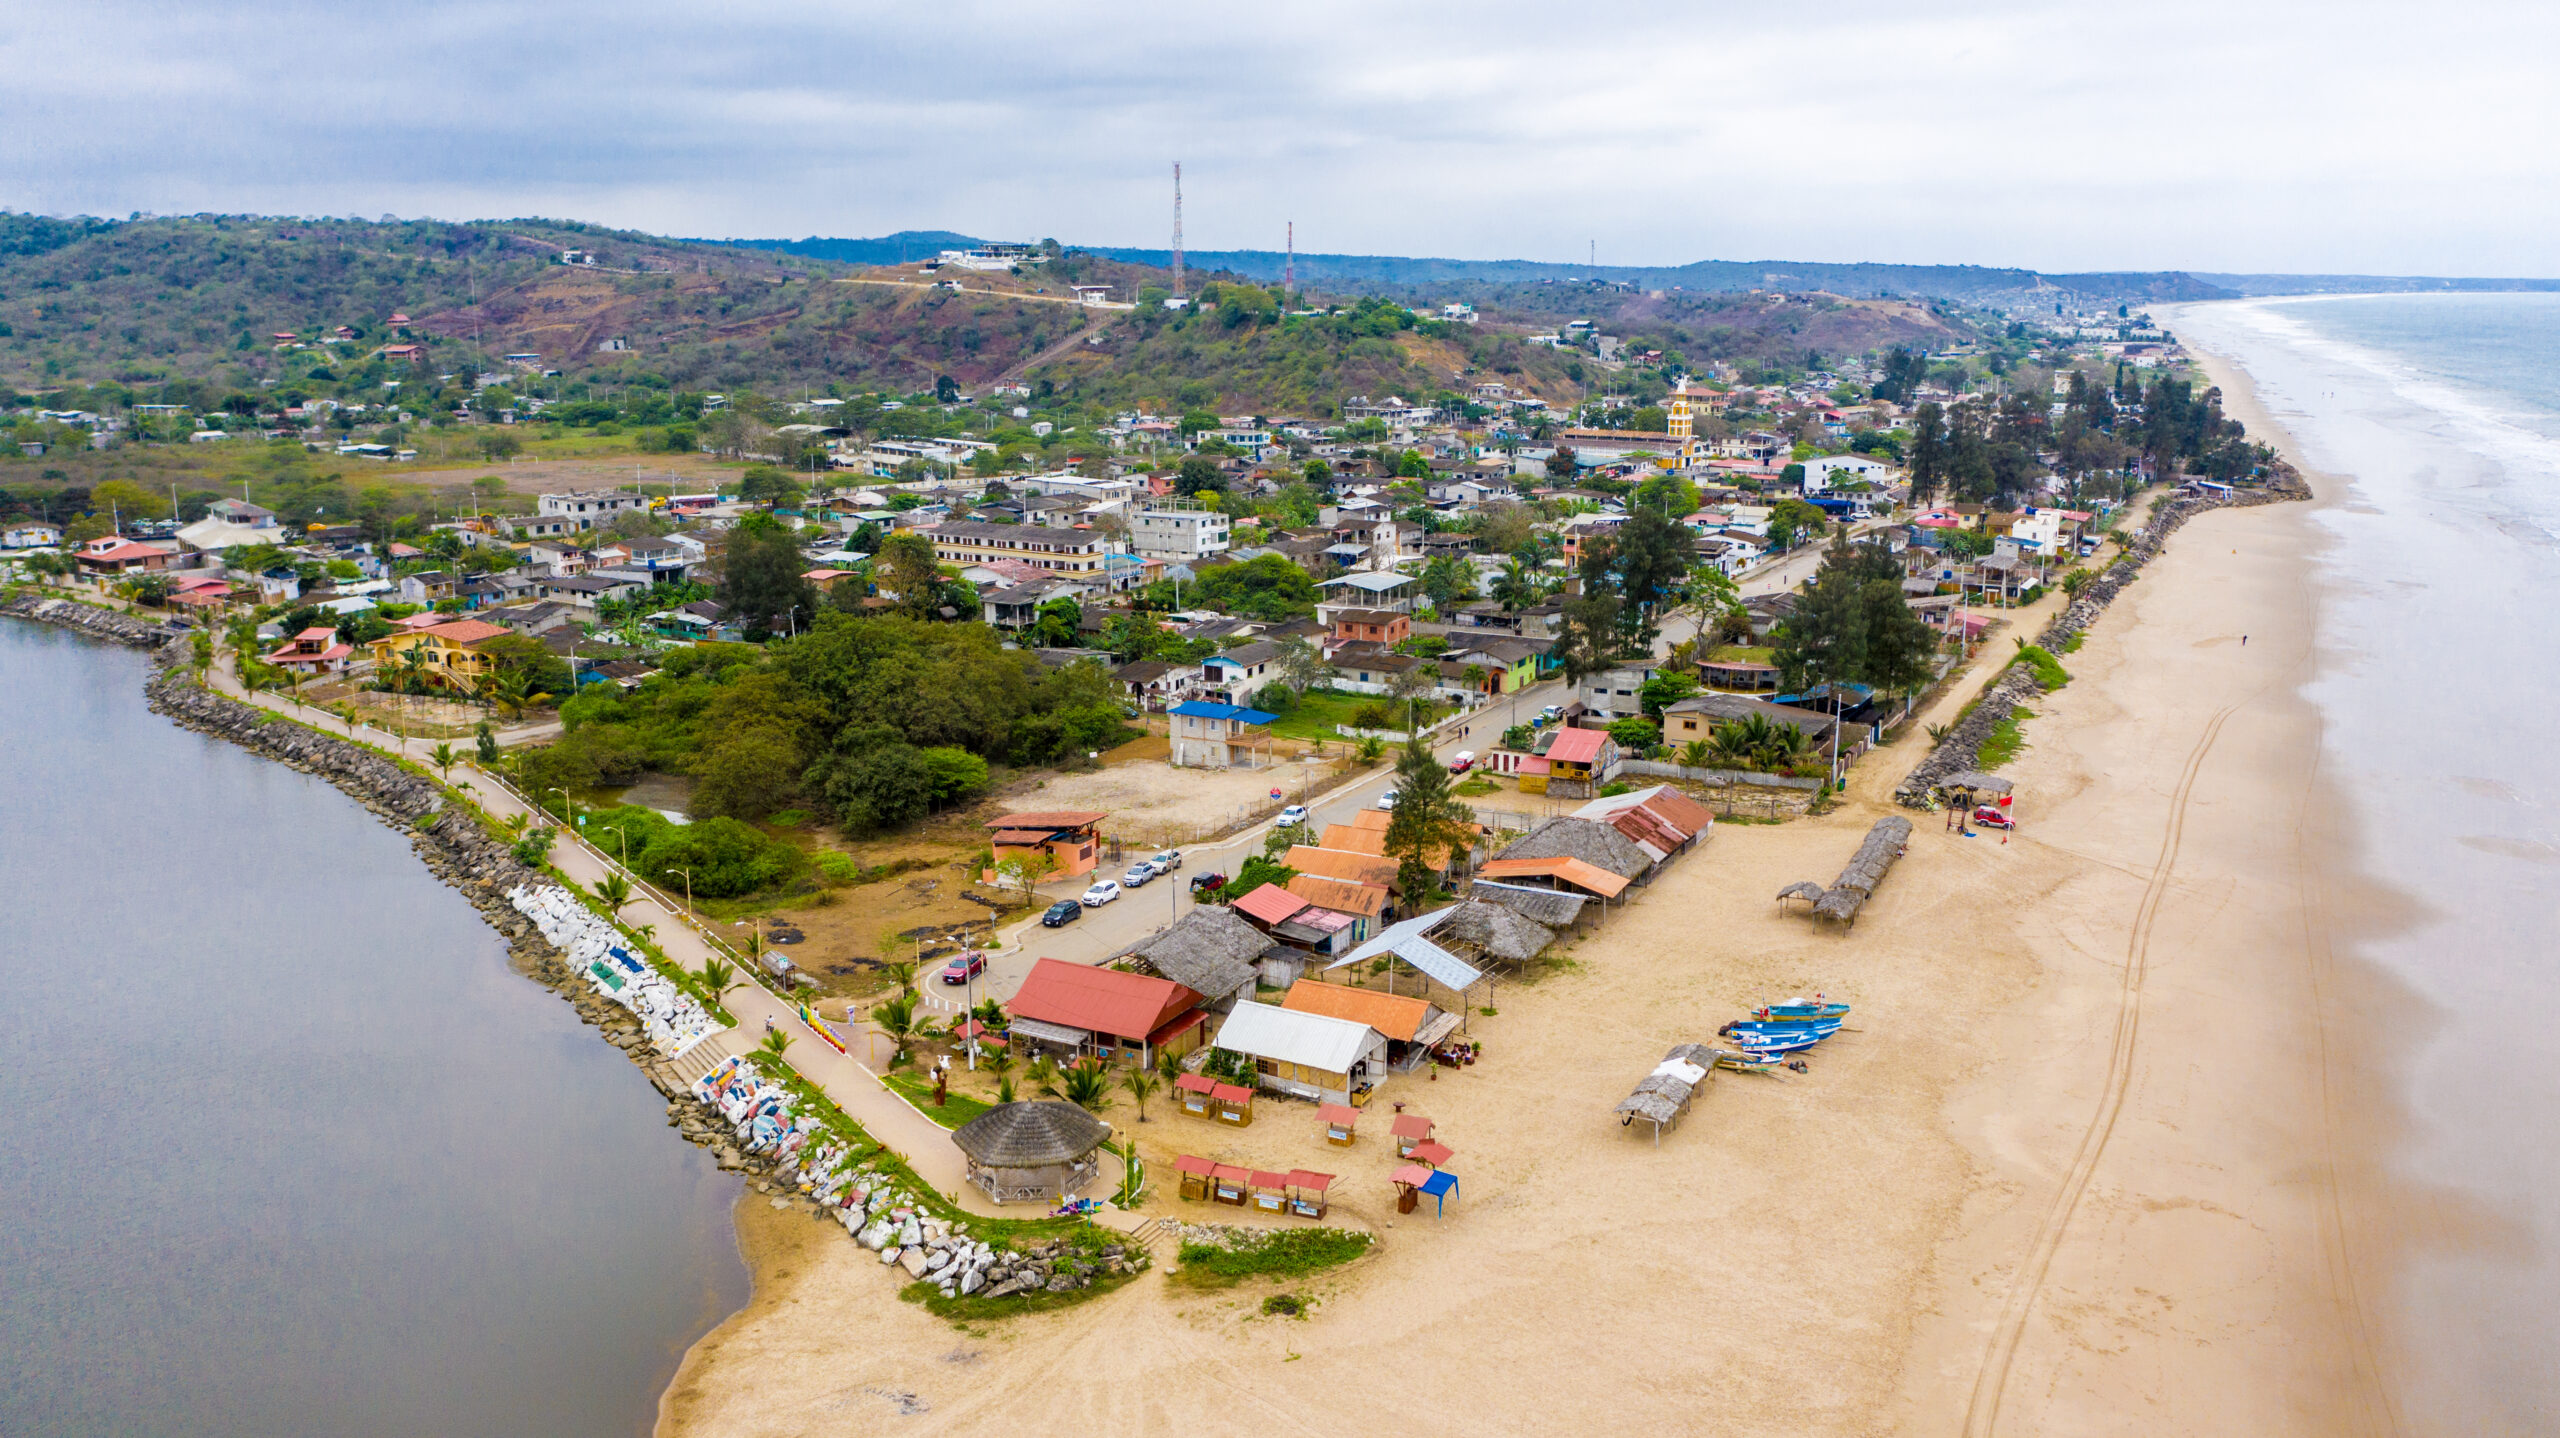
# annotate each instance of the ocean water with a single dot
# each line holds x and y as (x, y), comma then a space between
(285, 1146)
(2439, 696)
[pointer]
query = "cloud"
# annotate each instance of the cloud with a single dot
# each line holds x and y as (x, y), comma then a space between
(2269, 136)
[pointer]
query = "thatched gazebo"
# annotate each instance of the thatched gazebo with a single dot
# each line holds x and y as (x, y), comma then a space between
(1039, 1152)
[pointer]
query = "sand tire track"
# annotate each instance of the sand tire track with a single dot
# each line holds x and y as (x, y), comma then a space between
(1982, 1414)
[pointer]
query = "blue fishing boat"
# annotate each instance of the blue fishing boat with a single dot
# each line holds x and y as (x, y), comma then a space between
(1814, 1008)
(1819, 1028)
(1786, 1042)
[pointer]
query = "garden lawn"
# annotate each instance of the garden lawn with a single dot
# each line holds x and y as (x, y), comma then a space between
(957, 1108)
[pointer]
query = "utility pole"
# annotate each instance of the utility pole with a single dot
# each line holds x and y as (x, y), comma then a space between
(1177, 230)
(1289, 267)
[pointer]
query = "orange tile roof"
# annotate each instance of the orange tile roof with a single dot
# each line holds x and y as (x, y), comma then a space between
(1377, 819)
(1355, 841)
(1573, 871)
(1398, 1016)
(1367, 900)
(467, 631)
(1340, 864)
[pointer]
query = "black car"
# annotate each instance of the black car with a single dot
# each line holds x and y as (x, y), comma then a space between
(1202, 883)
(1065, 911)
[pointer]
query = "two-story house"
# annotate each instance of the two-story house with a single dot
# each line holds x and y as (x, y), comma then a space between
(1179, 531)
(316, 650)
(451, 655)
(1612, 694)
(1220, 736)
(1233, 676)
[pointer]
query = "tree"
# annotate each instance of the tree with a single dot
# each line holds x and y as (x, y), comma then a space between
(1663, 690)
(760, 577)
(767, 484)
(1198, 474)
(1141, 1086)
(885, 786)
(442, 756)
(1087, 1085)
(1587, 639)
(905, 568)
(1055, 627)
(1516, 587)
(1652, 558)
(896, 1019)
(487, 745)
(1427, 820)
(1562, 464)
(1255, 872)
(496, 444)
(748, 774)
(1301, 665)
(956, 773)
(1446, 580)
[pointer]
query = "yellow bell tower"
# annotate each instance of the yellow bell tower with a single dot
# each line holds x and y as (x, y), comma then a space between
(1680, 430)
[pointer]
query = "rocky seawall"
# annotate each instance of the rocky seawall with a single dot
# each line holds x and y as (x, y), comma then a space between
(457, 848)
(114, 626)
(1956, 753)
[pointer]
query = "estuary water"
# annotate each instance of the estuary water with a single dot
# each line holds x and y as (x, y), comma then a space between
(2439, 672)
(285, 1146)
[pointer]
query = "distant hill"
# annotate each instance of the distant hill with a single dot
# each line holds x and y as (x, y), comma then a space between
(897, 249)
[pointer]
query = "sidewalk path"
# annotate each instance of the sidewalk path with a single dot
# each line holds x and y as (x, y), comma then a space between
(854, 1087)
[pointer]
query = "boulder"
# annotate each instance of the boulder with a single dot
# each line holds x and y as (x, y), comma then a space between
(913, 1261)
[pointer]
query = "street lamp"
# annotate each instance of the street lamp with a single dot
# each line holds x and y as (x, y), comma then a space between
(567, 810)
(688, 888)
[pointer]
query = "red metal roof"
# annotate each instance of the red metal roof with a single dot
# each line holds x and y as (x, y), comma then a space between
(1231, 1173)
(1434, 1154)
(1102, 1001)
(1270, 903)
(1265, 1178)
(1576, 746)
(1167, 1033)
(1195, 1083)
(1309, 1178)
(1412, 1125)
(1341, 1113)
(1188, 1163)
(1231, 1093)
(467, 631)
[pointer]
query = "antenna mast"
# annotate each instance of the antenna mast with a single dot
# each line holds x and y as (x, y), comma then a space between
(1289, 269)
(1177, 229)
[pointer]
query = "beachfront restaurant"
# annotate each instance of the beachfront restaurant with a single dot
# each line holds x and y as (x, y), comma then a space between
(1410, 1025)
(1040, 1152)
(1075, 1012)
(1309, 1056)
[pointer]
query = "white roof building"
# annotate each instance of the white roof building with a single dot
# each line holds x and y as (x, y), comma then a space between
(1309, 1055)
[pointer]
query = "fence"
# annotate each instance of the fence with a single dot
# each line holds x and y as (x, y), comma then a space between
(1656, 769)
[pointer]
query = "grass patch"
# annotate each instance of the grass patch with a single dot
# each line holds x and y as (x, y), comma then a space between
(2071, 645)
(1281, 1253)
(1742, 654)
(957, 1109)
(1286, 1305)
(1476, 788)
(2050, 675)
(2004, 742)
(1319, 710)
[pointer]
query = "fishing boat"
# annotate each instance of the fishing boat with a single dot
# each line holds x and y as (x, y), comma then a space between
(1772, 1041)
(1816, 1028)
(1768, 1063)
(1813, 1008)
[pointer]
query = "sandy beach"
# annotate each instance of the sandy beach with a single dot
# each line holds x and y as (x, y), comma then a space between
(2087, 1160)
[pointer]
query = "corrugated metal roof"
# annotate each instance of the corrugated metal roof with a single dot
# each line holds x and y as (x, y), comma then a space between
(1267, 1031)
(1270, 903)
(1367, 900)
(1398, 1016)
(1573, 871)
(1342, 864)
(1103, 1001)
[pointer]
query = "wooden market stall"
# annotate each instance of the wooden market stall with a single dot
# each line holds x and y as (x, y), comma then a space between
(1270, 1191)
(1196, 1093)
(1307, 1192)
(1195, 1175)
(1234, 1104)
(1339, 1121)
(1229, 1184)
(1410, 1129)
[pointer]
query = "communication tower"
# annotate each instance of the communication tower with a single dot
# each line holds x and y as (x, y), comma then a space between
(1177, 229)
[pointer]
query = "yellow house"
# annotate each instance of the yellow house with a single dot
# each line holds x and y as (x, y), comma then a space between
(449, 654)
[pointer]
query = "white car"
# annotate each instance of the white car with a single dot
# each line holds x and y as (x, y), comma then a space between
(1166, 862)
(1387, 800)
(1291, 817)
(1100, 894)
(1139, 873)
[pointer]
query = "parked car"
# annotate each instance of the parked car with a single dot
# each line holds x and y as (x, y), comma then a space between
(1138, 875)
(1992, 817)
(1466, 760)
(1551, 713)
(1291, 817)
(1203, 882)
(964, 968)
(1167, 861)
(1065, 911)
(1387, 800)
(1100, 894)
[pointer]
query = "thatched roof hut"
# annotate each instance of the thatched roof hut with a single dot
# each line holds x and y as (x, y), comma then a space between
(1495, 931)
(1547, 908)
(1211, 951)
(1662, 1096)
(1596, 844)
(1866, 869)
(1038, 1152)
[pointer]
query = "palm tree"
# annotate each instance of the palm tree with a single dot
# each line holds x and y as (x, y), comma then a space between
(753, 948)
(1938, 732)
(442, 756)
(615, 890)
(1141, 1086)
(896, 1019)
(1043, 1074)
(902, 972)
(1371, 747)
(715, 976)
(1168, 1065)
(1698, 754)
(645, 933)
(1087, 1086)
(776, 1042)
(1515, 588)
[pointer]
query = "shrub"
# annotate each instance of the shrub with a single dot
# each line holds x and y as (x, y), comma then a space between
(1373, 715)
(2050, 675)
(727, 858)
(1280, 1253)
(838, 868)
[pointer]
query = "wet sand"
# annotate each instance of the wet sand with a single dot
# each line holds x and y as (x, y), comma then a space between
(2097, 1130)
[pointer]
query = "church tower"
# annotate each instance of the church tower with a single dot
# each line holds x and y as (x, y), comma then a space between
(1682, 443)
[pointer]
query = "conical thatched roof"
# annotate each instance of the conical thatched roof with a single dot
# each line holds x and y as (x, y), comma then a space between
(1030, 1135)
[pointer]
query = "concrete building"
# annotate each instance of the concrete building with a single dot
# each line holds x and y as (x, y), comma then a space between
(1179, 531)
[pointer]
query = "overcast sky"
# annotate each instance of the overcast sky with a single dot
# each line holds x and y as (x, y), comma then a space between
(2055, 135)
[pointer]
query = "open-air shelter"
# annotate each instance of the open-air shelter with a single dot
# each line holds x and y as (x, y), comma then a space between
(1307, 1190)
(1195, 1093)
(1233, 1103)
(1413, 1180)
(1270, 1191)
(1339, 1119)
(1036, 1152)
(1410, 1129)
(1229, 1184)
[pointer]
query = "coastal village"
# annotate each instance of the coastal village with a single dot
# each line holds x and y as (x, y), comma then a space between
(1069, 848)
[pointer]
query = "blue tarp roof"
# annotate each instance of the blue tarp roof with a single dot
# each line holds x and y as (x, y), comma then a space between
(1196, 709)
